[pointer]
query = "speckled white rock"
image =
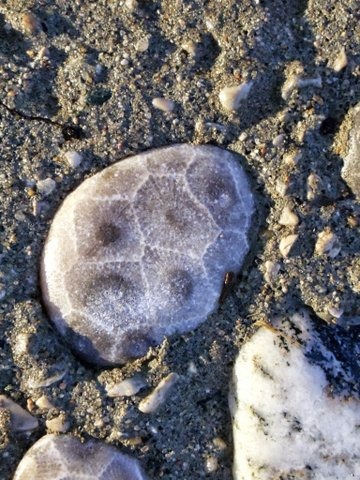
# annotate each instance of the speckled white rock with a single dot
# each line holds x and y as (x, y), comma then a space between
(285, 424)
(139, 251)
(63, 457)
(351, 168)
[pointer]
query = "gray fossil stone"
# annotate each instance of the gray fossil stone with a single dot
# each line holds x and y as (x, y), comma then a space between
(63, 457)
(139, 251)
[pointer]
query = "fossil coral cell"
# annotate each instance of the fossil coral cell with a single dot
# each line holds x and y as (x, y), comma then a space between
(139, 251)
(63, 457)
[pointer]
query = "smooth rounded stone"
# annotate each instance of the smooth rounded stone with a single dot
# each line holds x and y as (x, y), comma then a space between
(164, 104)
(140, 250)
(63, 457)
(20, 419)
(286, 424)
(351, 169)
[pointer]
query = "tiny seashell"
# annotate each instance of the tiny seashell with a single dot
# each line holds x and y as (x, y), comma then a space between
(158, 396)
(126, 388)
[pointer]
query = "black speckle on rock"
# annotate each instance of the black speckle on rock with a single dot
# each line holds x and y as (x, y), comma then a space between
(98, 96)
(328, 126)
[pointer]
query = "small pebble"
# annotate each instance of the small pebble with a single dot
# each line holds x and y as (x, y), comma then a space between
(142, 45)
(73, 158)
(46, 186)
(231, 97)
(313, 182)
(158, 396)
(271, 271)
(336, 312)
(219, 443)
(288, 217)
(278, 140)
(126, 388)
(286, 244)
(20, 419)
(340, 61)
(58, 424)
(211, 464)
(44, 403)
(131, 5)
(327, 243)
(163, 104)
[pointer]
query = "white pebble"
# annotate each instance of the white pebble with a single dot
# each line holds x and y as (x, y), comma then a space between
(288, 217)
(327, 243)
(44, 403)
(142, 45)
(131, 5)
(153, 401)
(278, 140)
(211, 464)
(126, 388)
(73, 158)
(57, 424)
(163, 104)
(271, 270)
(335, 312)
(340, 61)
(286, 243)
(46, 186)
(231, 97)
